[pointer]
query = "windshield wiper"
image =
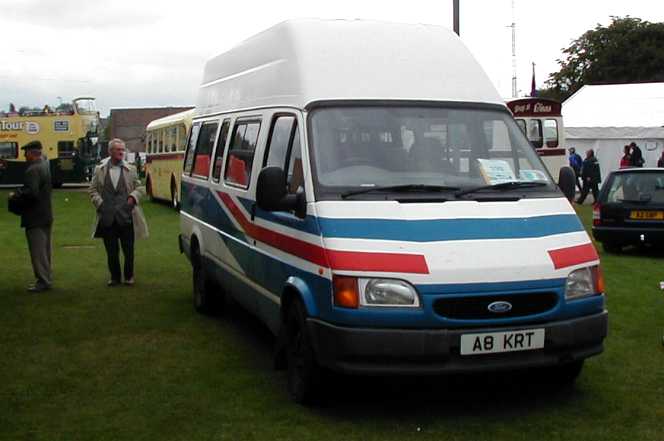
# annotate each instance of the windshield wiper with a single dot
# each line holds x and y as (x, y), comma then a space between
(400, 189)
(501, 187)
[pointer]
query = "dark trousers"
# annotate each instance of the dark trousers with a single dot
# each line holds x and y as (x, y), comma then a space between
(117, 236)
(587, 187)
(39, 244)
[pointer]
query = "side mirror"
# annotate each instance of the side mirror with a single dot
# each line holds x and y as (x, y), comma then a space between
(567, 182)
(271, 194)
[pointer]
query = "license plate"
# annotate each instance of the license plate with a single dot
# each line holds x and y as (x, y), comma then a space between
(646, 215)
(494, 342)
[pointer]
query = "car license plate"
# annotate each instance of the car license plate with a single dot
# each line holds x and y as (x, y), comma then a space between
(494, 342)
(646, 215)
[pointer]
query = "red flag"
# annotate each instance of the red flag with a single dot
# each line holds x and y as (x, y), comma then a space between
(533, 86)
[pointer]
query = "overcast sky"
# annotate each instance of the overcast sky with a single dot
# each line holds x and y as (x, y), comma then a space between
(151, 52)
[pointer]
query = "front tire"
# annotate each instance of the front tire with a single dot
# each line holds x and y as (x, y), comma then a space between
(175, 202)
(304, 373)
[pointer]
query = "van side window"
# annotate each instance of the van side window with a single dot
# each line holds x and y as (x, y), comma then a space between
(279, 141)
(240, 156)
(204, 150)
(551, 132)
(191, 149)
(295, 177)
(219, 153)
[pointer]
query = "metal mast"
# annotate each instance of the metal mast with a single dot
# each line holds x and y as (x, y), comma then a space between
(513, 26)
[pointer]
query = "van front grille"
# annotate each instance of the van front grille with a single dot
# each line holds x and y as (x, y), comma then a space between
(477, 307)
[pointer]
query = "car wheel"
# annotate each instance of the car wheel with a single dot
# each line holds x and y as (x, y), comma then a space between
(304, 374)
(207, 297)
(566, 374)
(612, 247)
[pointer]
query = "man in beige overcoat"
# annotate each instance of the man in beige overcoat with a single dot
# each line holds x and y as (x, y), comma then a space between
(115, 192)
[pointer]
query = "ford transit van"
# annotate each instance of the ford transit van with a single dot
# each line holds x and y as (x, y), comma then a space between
(362, 188)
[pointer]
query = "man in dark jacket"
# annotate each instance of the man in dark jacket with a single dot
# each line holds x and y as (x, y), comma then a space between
(37, 214)
(591, 175)
(576, 163)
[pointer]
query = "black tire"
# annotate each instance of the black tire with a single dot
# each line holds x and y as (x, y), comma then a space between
(207, 296)
(566, 374)
(148, 188)
(612, 247)
(175, 203)
(304, 373)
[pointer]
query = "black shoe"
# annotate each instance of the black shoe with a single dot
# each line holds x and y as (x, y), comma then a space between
(113, 282)
(38, 288)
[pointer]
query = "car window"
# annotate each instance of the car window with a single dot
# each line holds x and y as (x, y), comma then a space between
(204, 150)
(640, 187)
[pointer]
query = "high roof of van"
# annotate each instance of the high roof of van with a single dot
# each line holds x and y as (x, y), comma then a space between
(298, 62)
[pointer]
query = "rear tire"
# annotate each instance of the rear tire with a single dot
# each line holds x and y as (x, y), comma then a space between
(175, 203)
(304, 373)
(612, 247)
(207, 296)
(148, 188)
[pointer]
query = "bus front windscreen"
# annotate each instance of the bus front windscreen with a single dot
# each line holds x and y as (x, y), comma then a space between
(363, 147)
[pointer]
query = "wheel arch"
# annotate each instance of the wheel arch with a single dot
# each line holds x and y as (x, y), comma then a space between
(296, 288)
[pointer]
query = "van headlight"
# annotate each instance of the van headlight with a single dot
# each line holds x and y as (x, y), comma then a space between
(388, 292)
(584, 282)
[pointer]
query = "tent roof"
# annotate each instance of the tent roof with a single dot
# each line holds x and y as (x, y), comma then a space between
(614, 132)
(616, 105)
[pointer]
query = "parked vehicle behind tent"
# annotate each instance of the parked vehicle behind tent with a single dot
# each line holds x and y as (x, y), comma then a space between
(362, 188)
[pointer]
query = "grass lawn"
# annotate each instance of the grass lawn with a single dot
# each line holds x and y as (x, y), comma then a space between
(85, 362)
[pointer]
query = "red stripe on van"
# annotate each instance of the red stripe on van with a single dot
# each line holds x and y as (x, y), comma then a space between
(576, 255)
(335, 259)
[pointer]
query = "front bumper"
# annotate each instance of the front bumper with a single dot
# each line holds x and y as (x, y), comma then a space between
(436, 351)
(628, 235)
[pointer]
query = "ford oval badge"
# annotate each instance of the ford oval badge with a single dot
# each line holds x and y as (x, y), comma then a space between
(500, 307)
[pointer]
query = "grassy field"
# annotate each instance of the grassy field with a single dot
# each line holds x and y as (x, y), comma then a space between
(85, 362)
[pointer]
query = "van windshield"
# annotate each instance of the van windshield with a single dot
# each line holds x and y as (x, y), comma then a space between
(446, 148)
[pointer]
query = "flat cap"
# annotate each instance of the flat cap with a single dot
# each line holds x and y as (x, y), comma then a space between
(32, 145)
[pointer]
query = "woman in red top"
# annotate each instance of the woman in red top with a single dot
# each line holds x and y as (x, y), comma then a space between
(625, 161)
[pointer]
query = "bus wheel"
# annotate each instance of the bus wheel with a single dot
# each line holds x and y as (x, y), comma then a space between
(175, 203)
(207, 297)
(304, 374)
(148, 186)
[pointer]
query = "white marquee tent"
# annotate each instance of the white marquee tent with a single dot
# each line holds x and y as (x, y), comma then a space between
(606, 117)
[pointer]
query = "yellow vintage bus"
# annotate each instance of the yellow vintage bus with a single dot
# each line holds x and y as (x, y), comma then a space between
(165, 143)
(68, 135)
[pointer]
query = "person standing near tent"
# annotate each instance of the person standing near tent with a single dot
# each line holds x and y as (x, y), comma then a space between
(626, 160)
(591, 175)
(575, 162)
(636, 155)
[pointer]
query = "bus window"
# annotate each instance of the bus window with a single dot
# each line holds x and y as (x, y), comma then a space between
(160, 140)
(240, 158)
(204, 150)
(147, 142)
(522, 125)
(174, 138)
(219, 154)
(182, 138)
(535, 132)
(8, 150)
(551, 132)
(189, 156)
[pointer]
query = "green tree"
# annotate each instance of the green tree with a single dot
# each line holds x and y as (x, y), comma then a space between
(629, 50)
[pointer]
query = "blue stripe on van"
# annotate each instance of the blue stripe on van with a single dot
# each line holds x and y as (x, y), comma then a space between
(450, 229)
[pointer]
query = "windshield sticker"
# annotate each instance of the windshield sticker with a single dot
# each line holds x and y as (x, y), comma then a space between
(532, 175)
(496, 171)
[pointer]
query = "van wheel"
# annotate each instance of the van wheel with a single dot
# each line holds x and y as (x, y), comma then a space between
(304, 374)
(207, 297)
(611, 247)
